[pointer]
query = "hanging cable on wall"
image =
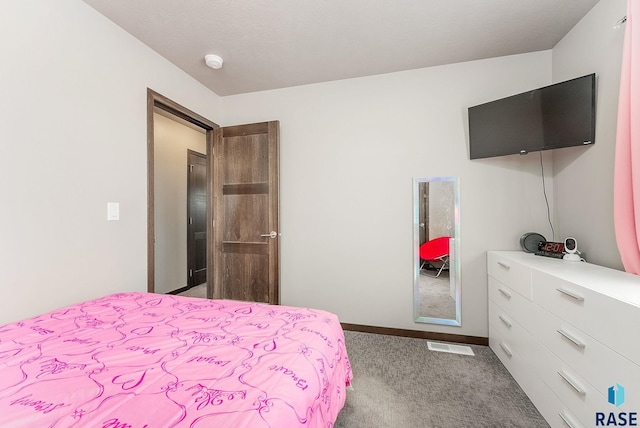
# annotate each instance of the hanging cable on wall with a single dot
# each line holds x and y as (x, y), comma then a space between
(544, 191)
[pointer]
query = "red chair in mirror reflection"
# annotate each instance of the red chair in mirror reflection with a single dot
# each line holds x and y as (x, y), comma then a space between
(436, 253)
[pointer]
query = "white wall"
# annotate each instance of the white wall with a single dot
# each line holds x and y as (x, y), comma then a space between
(583, 177)
(72, 138)
(171, 142)
(349, 151)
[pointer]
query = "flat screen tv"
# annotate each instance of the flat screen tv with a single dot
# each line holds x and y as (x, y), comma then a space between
(552, 117)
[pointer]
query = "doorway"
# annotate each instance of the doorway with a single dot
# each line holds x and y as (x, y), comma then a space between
(242, 205)
(179, 203)
(157, 102)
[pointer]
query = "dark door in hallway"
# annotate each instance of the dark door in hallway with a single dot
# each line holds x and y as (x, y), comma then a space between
(196, 218)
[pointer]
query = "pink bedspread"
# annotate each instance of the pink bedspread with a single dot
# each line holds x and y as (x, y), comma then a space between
(136, 360)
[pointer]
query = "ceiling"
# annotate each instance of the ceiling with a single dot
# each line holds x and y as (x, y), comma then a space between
(270, 44)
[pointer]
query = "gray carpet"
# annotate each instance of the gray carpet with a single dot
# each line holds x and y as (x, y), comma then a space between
(435, 300)
(399, 383)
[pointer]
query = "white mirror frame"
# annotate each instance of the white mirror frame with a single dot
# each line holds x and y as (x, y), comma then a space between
(454, 253)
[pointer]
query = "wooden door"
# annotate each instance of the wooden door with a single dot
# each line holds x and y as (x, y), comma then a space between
(197, 218)
(246, 238)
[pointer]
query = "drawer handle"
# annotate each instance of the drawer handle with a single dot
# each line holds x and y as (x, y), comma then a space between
(572, 338)
(571, 294)
(506, 350)
(567, 420)
(505, 293)
(504, 321)
(572, 383)
(504, 265)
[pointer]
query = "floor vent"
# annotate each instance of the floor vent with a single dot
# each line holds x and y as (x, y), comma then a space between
(452, 349)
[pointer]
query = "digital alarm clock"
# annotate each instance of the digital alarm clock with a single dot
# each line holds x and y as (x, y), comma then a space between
(551, 249)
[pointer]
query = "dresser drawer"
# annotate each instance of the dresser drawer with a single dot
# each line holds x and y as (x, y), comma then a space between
(517, 350)
(513, 357)
(599, 365)
(512, 343)
(577, 395)
(513, 304)
(510, 273)
(606, 319)
(554, 411)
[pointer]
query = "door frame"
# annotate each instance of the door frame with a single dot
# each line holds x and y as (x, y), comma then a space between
(154, 99)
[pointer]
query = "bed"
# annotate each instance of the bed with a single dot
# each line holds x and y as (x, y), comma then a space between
(140, 360)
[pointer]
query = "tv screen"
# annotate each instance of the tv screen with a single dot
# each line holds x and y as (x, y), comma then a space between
(552, 117)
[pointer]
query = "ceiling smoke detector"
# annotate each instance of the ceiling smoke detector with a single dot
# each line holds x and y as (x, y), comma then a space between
(213, 61)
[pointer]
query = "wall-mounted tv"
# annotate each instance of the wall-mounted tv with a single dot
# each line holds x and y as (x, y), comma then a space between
(552, 117)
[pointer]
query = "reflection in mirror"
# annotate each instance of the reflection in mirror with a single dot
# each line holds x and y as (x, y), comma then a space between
(436, 243)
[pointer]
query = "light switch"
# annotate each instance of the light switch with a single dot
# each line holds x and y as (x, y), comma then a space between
(113, 211)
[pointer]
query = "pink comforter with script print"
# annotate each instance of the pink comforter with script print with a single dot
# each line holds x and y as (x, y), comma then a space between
(136, 360)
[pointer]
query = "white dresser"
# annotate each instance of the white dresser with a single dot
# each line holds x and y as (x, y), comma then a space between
(567, 332)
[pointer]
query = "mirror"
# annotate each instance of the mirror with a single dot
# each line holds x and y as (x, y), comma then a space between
(436, 218)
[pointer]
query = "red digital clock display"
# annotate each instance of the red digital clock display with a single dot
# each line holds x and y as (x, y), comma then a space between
(552, 247)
